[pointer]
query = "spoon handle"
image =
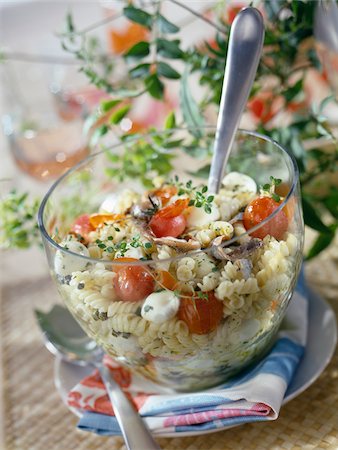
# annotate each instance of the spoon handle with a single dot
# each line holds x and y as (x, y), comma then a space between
(244, 50)
(134, 430)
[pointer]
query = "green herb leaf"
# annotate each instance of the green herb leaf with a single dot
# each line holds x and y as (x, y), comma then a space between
(137, 51)
(165, 26)
(167, 71)
(107, 105)
(138, 16)
(140, 71)
(170, 121)
(98, 133)
(69, 23)
(154, 86)
(290, 93)
(169, 49)
(118, 115)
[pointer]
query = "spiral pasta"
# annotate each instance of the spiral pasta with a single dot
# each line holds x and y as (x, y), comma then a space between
(189, 305)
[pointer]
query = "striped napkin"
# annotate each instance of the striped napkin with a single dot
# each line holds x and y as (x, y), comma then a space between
(255, 395)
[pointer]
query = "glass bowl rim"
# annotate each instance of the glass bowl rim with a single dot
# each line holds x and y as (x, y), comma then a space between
(250, 133)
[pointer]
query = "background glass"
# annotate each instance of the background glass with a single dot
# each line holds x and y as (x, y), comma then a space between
(42, 143)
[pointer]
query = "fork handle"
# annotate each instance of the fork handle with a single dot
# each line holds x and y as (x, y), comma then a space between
(134, 430)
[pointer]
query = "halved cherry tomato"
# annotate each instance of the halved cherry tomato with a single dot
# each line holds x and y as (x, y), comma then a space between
(166, 280)
(82, 226)
(132, 283)
(201, 315)
(97, 220)
(165, 193)
(172, 226)
(258, 210)
(169, 221)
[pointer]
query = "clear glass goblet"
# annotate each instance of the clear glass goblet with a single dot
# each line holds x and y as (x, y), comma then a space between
(224, 314)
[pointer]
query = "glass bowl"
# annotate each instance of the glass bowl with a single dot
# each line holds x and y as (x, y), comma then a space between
(188, 319)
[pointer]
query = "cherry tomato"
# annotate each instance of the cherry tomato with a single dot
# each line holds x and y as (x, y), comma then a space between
(201, 315)
(166, 280)
(165, 193)
(97, 220)
(173, 226)
(82, 226)
(258, 210)
(169, 221)
(132, 283)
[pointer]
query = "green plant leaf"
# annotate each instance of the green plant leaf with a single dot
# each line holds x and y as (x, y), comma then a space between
(190, 109)
(107, 105)
(312, 219)
(154, 86)
(331, 202)
(140, 71)
(138, 16)
(320, 244)
(69, 23)
(118, 115)
(165, 26)
(167, 71)
(172, 144)
(169, 49)
(98, 133)
(170, 121)
(139, 50)
(290, 93)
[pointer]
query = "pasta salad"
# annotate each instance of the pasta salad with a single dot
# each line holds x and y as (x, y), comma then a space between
(180, 290)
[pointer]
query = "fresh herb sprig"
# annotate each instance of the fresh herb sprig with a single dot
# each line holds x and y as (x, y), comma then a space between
(270, 188)
(18, 225)
(197, 194)
(123, 246)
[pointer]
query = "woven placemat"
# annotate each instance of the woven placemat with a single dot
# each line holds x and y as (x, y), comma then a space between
(36, 418)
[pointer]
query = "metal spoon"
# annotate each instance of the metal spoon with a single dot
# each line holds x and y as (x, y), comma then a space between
(244, 50)
(63, 336)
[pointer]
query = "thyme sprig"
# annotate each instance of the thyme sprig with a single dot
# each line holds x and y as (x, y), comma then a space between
(123, 246)
(18, 226)
(269, 188)
(197, 194)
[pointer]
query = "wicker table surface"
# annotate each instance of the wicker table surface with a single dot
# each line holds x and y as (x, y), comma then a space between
(36, 419)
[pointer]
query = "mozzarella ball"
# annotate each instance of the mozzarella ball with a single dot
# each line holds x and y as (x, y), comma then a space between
(238, 182)
(65, 264)
(198, 217)
(160, 306)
